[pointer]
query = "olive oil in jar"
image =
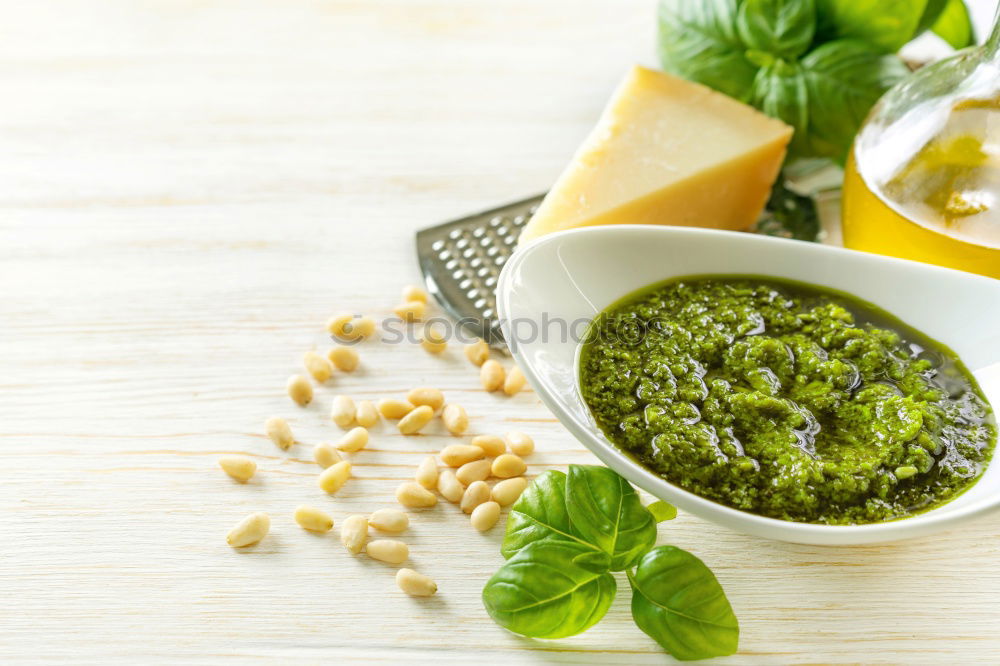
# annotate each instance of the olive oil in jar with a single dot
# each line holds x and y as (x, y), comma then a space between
(923, 180)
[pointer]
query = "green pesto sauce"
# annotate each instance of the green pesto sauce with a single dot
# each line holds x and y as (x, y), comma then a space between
(785, 400)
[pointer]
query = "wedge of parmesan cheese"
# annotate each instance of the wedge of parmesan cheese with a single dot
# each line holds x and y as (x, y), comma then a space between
(667, 151)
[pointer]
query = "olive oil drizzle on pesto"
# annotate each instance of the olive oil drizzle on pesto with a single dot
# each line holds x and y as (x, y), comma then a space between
(785, 399)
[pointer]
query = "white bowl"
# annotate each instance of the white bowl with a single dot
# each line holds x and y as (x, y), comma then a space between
(573, 275)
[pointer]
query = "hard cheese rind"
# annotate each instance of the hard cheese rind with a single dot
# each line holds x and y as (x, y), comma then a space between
(667, 151)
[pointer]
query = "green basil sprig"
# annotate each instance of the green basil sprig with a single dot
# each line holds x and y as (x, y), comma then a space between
(818, 65)
(567, 532)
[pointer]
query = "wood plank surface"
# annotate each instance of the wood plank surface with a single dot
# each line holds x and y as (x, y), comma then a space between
(188, 190)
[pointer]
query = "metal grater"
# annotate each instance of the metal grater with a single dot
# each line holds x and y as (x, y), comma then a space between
(461, 261)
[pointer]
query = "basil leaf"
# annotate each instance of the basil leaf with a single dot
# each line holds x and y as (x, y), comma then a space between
(780, 91)
(698, 41)
(843, 80)
(932, 10)
(885, 25)
(953, 25)
(540, 513)
(662, 511)
(781, 27)
(606, 512)
(550, 589)
(678, 602)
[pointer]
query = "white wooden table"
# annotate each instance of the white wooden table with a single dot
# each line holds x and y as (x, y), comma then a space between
(188, 190)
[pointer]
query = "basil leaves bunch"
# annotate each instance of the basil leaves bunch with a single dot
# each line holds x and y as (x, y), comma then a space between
(818, 65)
(568, 532)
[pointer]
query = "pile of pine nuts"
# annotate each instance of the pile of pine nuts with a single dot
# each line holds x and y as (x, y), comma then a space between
(463, 481)
(467, 467)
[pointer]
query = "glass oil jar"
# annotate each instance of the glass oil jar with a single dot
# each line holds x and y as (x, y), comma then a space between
(923, 179)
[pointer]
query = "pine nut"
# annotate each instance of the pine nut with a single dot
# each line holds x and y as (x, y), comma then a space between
(312, 519)
(491, 375)
(394, 409)
(450, 487)
(299, 390)
(335, 476)
(456, 455)
(415, 584)
(353, 440)
(412, 423)
(366, 414)
(362, 328)
(490, 444)
(485, 516)
(426, 395)
(320, 368)
(427, 473)
(346, 327)
(507, 466)
(433, 345)
(477, 493)
(249, 531)
(433, 340)
(477, 470)
(478, 352)
(455, 419)
(354, 533)
(278, 431)
(410, 310)
(520, 443)
(414, 495)
(507, 491)
(338, 325)
(343, 410)
(389, 520)
(325, 455)
(412, 292)
(238, 467)
(515, 381)
(345, 358)
(388, 550)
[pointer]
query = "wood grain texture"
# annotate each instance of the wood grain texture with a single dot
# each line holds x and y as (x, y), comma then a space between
(188, 190)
